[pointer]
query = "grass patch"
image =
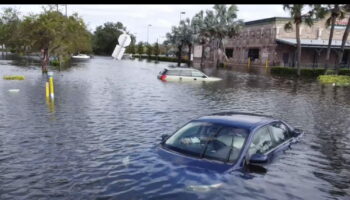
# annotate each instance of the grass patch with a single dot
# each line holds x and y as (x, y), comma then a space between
(13, 77)
(340, 80)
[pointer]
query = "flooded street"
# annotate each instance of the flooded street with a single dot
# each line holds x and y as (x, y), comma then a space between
(99, 138)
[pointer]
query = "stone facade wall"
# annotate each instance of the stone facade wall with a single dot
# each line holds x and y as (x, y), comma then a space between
(262, 35)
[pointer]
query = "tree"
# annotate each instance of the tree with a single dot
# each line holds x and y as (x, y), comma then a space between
(188, 37)
(345, 37)
(201, 35)
(132, 47)
(140, 48)
(296, 12)
(335, 12)
(174, 38)
(219, 24)
(53, 33)
(149, 50)
(156, 50)
(106, 37)
(9, 24)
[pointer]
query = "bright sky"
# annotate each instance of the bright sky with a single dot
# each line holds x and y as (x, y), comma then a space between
(161, 17)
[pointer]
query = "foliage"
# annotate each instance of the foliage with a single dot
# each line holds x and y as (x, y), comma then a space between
(149, 50)
(306, 72)
(156, 49)
(9, 24)
(13, 77)
(140, 48)
(296, 12)
(51, 30)
(339, 80)
(105, 38)
(132, 47)
(160, 58)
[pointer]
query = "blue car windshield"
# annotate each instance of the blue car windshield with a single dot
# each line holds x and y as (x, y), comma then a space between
(208, 140)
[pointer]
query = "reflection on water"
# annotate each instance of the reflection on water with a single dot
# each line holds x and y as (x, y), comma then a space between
(98, 139)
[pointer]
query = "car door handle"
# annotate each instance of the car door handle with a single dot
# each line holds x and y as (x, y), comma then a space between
(194, 79)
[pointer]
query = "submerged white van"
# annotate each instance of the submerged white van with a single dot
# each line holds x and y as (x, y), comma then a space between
(184, 74)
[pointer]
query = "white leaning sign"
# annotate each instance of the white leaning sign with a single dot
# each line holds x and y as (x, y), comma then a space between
(124, 41)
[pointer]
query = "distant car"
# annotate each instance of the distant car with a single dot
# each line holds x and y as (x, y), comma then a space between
(184, 74)
(228, 141)
(81, 56)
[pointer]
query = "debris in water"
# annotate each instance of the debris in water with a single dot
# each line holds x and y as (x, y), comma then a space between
(203, 188)
(126, 161)
(13, 77)
(13, 90)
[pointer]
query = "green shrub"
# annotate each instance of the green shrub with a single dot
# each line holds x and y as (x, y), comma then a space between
(14, 77)
(284, 71)
(55, 62)
(340, 80)
(344, 72)
(312, 73)
(304, 72)
(159, 58)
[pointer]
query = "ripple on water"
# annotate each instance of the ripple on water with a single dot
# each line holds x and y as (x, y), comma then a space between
(100, 142)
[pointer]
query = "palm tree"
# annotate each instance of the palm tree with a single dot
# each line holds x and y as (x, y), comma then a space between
(219, 24)
(296, 12)
(345, 37)
(200, 33)
(187, 36)
(175, 39)
(335, 12)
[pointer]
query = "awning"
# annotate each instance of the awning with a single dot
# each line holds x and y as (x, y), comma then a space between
(309, 43)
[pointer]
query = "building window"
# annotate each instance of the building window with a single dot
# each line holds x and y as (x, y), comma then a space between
(229, 52)
(253, 53)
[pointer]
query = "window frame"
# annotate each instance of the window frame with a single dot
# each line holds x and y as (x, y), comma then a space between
(202, 154)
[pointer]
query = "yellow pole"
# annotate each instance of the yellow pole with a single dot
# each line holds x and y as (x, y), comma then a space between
(52, 92)
(47, 89)
(248, 62)
(267, 64)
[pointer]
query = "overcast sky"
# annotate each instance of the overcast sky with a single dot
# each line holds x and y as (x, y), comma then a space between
(137, 17)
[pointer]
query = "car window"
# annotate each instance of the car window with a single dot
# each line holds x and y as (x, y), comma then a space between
(192, 138)
(173, 72)
(279, 132)
(261, 142)
(185, 73)
(197, 73)
(163, 71)
(226, 145)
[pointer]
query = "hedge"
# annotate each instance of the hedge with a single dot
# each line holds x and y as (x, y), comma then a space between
(159, 58)
(306, 72)
(340, 80)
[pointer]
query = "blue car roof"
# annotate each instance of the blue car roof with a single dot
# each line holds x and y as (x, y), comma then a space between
(238, 119)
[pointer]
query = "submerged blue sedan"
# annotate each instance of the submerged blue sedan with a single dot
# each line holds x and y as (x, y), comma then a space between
(228, 141)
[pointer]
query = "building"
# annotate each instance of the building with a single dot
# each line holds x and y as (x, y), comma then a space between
(267, 40)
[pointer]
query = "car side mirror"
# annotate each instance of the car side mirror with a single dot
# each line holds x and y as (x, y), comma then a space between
(204, 77)
(297, 132)
(164, 137)
(258, 158)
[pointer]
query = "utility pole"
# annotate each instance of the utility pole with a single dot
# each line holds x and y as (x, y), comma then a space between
(66, 11)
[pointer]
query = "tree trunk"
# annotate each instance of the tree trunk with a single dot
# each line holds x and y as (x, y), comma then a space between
(330, 41)
(189, 54)
(297, 27)
(45, 60)
(341, 52)
(179, 55)
(202, 57)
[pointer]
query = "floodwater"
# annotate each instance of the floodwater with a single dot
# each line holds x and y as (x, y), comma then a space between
(99, 137)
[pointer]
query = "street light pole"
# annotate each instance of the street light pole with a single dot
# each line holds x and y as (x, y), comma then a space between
(148, 31)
